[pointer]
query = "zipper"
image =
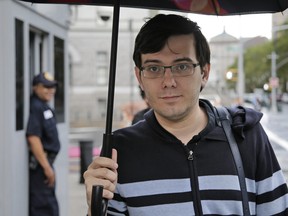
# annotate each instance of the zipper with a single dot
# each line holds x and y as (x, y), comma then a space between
(194, 181)
(190, 155)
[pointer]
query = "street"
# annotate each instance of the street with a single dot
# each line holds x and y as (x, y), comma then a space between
(276, 127)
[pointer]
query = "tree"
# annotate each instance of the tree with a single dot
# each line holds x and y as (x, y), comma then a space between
(257, 64)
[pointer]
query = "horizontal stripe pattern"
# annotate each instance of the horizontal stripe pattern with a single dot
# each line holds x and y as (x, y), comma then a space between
(274, 207)
(269, 184)
(222, 207)
(167, 210)
(219, 195)
(154, 187)
(224, 182)
(155, 177)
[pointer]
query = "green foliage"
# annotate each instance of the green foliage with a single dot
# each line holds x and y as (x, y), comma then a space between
(257, 63)
(257, 66)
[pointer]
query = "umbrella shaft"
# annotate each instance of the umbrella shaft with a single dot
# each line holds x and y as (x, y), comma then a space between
(113, 61)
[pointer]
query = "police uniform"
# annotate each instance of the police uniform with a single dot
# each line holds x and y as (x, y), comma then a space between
(42, 123)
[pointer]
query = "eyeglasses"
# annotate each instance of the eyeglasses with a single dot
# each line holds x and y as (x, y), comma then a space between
(178, 70)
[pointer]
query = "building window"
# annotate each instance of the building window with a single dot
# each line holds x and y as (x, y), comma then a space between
(102, 56)
(102, 108)
(37, 58)
(102, 70)
(101, 75)
(19, 74)
(59, 69)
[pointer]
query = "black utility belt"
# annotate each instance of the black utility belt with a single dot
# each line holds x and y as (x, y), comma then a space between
(51, 156)
(33, 163)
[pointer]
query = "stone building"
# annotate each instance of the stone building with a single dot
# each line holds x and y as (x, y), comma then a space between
(224, 49)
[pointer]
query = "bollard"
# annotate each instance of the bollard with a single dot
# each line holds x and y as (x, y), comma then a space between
(86, 155)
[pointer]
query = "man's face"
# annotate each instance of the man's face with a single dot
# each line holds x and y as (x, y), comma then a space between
(43, 92)
(173, 98)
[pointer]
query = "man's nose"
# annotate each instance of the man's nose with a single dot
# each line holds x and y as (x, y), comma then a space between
(168, 78)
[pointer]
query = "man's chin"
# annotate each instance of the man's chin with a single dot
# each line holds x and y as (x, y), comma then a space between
(171, 114)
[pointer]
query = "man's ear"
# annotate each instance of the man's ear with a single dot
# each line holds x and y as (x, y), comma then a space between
(205, 71)
(137, 73)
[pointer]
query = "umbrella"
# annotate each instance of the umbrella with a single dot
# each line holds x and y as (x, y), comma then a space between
(216, 7)
(209, 7)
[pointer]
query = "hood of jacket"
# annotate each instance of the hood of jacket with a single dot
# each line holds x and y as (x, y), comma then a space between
(243, 119)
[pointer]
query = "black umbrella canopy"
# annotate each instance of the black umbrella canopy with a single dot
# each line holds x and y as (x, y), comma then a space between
(209, 7)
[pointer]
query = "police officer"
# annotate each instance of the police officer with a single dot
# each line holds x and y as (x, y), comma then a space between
(43, 141)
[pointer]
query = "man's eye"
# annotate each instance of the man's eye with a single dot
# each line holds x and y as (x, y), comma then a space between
(182, 67)
(153, 69)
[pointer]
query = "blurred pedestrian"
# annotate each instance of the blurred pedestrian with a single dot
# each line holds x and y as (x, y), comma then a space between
(44, 145)
(178, 161)
(140, 115)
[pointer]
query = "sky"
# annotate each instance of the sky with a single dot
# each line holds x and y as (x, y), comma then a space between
(237, 25)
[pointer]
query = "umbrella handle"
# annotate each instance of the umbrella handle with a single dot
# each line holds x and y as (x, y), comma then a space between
(98, 204)
(96, 199)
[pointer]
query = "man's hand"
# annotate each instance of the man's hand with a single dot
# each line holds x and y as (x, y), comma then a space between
(50, 175)
(102, 171)
(40, 155)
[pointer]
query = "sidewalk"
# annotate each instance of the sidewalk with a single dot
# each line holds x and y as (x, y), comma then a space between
(76, 194)
(276, 127)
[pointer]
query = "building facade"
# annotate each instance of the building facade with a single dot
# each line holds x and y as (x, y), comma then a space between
(33, 39)
(224, 49)
(90, 49)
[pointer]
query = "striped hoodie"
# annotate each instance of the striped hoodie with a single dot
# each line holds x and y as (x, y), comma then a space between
(159, 176)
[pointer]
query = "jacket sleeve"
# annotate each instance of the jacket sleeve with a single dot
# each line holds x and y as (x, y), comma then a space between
(271, 188)
(265, 181)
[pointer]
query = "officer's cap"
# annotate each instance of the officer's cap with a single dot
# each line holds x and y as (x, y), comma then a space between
(46, 79)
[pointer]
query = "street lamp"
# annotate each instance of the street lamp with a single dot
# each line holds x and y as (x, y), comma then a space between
(241, 74)
(274, 79)
(232, 75)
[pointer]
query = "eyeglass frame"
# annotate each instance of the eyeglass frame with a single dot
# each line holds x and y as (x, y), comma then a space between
(163, 68)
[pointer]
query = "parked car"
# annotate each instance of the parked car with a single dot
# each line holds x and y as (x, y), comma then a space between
(253, 101)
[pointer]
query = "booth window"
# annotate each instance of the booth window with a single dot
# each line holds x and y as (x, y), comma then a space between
(59, 69)
(19, 74)
(38, 49)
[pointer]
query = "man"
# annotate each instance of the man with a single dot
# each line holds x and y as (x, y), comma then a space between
(178, 161)
(42, 137)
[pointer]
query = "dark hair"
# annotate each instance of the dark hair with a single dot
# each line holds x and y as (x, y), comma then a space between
(142, 93)
(153, 36)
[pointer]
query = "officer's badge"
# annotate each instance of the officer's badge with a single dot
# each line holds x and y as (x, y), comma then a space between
(48, 76)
